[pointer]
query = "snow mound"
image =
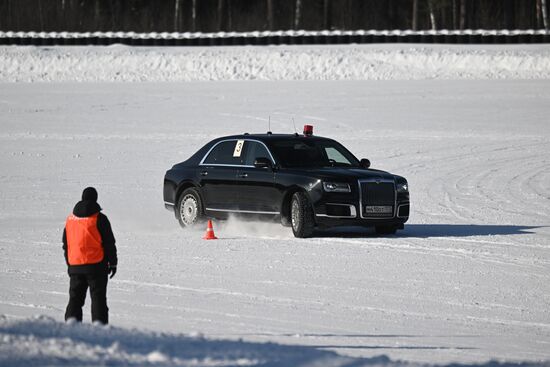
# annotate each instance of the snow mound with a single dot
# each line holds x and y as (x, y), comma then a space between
(350, 62)
(42, 341)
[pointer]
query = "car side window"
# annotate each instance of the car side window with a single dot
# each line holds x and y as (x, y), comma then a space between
(336, 156)
(231, 152)
(255, 150)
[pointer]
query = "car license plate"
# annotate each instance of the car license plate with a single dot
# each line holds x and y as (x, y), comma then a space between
(378, 209)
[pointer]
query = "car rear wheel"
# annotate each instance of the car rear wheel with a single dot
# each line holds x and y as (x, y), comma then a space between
(189, 208)
(301, 216)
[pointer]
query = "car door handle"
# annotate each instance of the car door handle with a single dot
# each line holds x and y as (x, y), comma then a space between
(204, 173)
(243, 175)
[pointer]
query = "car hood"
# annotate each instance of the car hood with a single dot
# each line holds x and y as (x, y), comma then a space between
(341, 173)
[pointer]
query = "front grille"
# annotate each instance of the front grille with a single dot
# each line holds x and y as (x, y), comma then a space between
(382, 193)
(378, 196)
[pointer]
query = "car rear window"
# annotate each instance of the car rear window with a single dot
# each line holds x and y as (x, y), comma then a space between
(227, 152)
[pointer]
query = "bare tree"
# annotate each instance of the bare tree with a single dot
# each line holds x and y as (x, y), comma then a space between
(544, 9)
(270, 14)
(220, 14)
(297, 14)
(177, 6)
(194, 16)
(8, 24)
(326, 14)
(415, 15)
(455, 18)
(112, 11)
(462, 14)
(41, 16)
(143, 15)
(432, 14)
(538, 11)
(229, 16)
(509, 9)
(11, 17)
(97, 14)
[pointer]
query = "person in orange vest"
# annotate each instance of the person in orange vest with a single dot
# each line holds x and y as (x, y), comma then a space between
(91, 255)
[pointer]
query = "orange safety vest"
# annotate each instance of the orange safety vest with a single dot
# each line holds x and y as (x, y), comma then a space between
(83, 240)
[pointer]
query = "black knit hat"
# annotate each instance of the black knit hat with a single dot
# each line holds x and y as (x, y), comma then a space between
(89, 194)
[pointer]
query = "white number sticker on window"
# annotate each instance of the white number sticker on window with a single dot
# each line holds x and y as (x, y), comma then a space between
(238, 148)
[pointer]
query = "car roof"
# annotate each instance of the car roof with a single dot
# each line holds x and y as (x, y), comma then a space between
(272, 137)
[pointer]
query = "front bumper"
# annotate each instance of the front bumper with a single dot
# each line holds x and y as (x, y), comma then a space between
(345, 210)
(327, 220)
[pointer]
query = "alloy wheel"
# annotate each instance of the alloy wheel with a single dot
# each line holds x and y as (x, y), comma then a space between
(189, 210)
(295, 214)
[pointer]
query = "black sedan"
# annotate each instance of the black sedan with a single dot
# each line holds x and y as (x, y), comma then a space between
(304, 180)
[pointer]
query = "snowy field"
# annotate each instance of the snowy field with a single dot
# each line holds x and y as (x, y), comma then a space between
(467, 281)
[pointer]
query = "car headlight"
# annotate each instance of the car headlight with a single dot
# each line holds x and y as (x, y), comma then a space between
(402, 187)
(336, 187)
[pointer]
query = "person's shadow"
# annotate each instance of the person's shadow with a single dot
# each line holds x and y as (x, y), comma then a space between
(433, 230)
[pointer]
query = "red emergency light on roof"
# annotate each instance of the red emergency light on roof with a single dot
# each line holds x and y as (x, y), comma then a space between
(308, 130)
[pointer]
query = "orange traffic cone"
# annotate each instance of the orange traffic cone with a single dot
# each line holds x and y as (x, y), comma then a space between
(209, 235)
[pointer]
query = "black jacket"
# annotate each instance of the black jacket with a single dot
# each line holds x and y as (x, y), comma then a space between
(84, 209)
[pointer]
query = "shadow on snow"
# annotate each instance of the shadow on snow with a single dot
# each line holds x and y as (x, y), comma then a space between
(44, 341)
(433, 230)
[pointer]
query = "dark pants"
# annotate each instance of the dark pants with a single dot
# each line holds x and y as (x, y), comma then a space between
(98, 292)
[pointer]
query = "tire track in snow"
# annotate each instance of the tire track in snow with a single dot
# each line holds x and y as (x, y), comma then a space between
(253, 319)
(218, 291)
(476, 254)
(31, 305)
(470, 183)
(505, 194)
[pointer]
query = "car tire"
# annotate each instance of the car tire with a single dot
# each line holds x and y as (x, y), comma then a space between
(385, 229)
(189, 209)
(301, 216)
(285, 221)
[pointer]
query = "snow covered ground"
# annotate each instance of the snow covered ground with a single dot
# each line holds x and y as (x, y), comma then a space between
(467, 281)
(356, 62)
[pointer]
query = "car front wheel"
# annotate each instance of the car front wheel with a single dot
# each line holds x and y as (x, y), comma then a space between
(301, 216)
(189, 209)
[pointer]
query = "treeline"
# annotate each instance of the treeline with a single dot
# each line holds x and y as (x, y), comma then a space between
(259, 15)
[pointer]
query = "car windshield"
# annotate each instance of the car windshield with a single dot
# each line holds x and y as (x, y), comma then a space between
(306, 153)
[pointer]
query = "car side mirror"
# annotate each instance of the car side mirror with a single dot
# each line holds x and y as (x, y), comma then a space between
(365, 163)
(263, 162)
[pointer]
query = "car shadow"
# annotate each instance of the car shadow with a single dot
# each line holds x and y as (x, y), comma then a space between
(315, 336)
(390, 347)
(433, 230)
